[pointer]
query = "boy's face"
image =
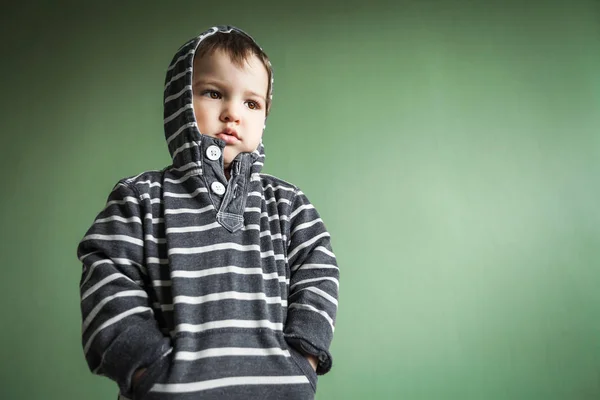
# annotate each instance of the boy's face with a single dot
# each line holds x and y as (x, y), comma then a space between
(230, 101)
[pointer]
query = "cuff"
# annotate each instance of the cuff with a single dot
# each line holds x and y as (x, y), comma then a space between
(138, 347)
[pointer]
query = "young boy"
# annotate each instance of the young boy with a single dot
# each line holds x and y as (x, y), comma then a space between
(209, 279)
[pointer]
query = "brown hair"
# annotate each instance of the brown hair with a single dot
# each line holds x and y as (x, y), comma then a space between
(239, 47)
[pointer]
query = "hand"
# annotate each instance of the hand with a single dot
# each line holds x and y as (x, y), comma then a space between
(313, 361)
(137, 375)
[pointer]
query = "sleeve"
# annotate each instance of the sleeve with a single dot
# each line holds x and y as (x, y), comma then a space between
(314, 284)
(119, 331)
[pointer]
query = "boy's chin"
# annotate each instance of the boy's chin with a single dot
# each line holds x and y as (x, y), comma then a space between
(228, 157)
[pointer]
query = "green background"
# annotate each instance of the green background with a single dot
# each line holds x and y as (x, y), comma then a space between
(450, 146)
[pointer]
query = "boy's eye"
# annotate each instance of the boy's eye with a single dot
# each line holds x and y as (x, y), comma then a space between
(253, 105)
(213, 94)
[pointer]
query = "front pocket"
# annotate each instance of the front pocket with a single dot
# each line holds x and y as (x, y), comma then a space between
(302, 362)
(154, 373)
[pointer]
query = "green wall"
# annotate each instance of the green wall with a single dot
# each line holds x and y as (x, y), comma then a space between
(450, 146)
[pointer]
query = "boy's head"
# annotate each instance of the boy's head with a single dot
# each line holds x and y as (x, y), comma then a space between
(231, 91)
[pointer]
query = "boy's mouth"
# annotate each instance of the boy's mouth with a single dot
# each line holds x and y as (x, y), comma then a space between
(229, 136)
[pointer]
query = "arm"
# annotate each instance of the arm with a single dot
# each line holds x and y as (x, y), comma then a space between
(314, 284)
(119, 332)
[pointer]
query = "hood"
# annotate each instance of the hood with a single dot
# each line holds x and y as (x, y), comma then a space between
(184, 139)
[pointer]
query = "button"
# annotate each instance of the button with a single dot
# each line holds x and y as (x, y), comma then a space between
(217, 188)
(213, 152)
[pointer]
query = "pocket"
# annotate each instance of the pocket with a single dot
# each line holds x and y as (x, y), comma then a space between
(155, 371)
(304, 365)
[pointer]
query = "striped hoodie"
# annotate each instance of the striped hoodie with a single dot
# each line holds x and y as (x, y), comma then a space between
(215, 292)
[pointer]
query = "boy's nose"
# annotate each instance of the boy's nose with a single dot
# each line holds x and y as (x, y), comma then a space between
(230, 113)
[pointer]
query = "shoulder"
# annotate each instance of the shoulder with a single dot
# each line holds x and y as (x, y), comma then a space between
(276, 186)
(147, 182)
(144, 181)
(284, 191)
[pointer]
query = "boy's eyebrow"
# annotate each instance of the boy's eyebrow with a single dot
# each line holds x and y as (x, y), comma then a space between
(252, 93)
(207, 82)
(219, 84)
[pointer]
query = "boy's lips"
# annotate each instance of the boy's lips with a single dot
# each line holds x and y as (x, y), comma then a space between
(230, 136)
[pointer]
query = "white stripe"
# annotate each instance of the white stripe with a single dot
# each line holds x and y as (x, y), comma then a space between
(162, 283)
(271, 253)
(181, 129)
(306, 225)
(320, 292)
(114, 320)
(152, 201)
(189, 210)
(183, 57)
(230, 351)
(266, 215)
(154, 220)
(117, 218)
(173, 79)
(155, 260)
(251, 227)
(92, 314)
(83, 257)
(225, 382)
(228, 323)
(214, 247)
(189, 229)
(149, 183)
(92, 268)
(325, 278)
(182, 179)
(278, 187)
(117, 238)
(176, 95)
(185, 146)
(232, 295)
(301, 208)
(307, 243)
(286, 201)
(151, 238)
(313, 266)
(177, 113)
(276, 236)
(227, 270)
(253, 209)
(103, 282)
(324, 250)
(313, 309)
(186, 195)
(126, 199)
(255, 227)
(126, 261)
(133, 178)
(271, 200)
(196, 164)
